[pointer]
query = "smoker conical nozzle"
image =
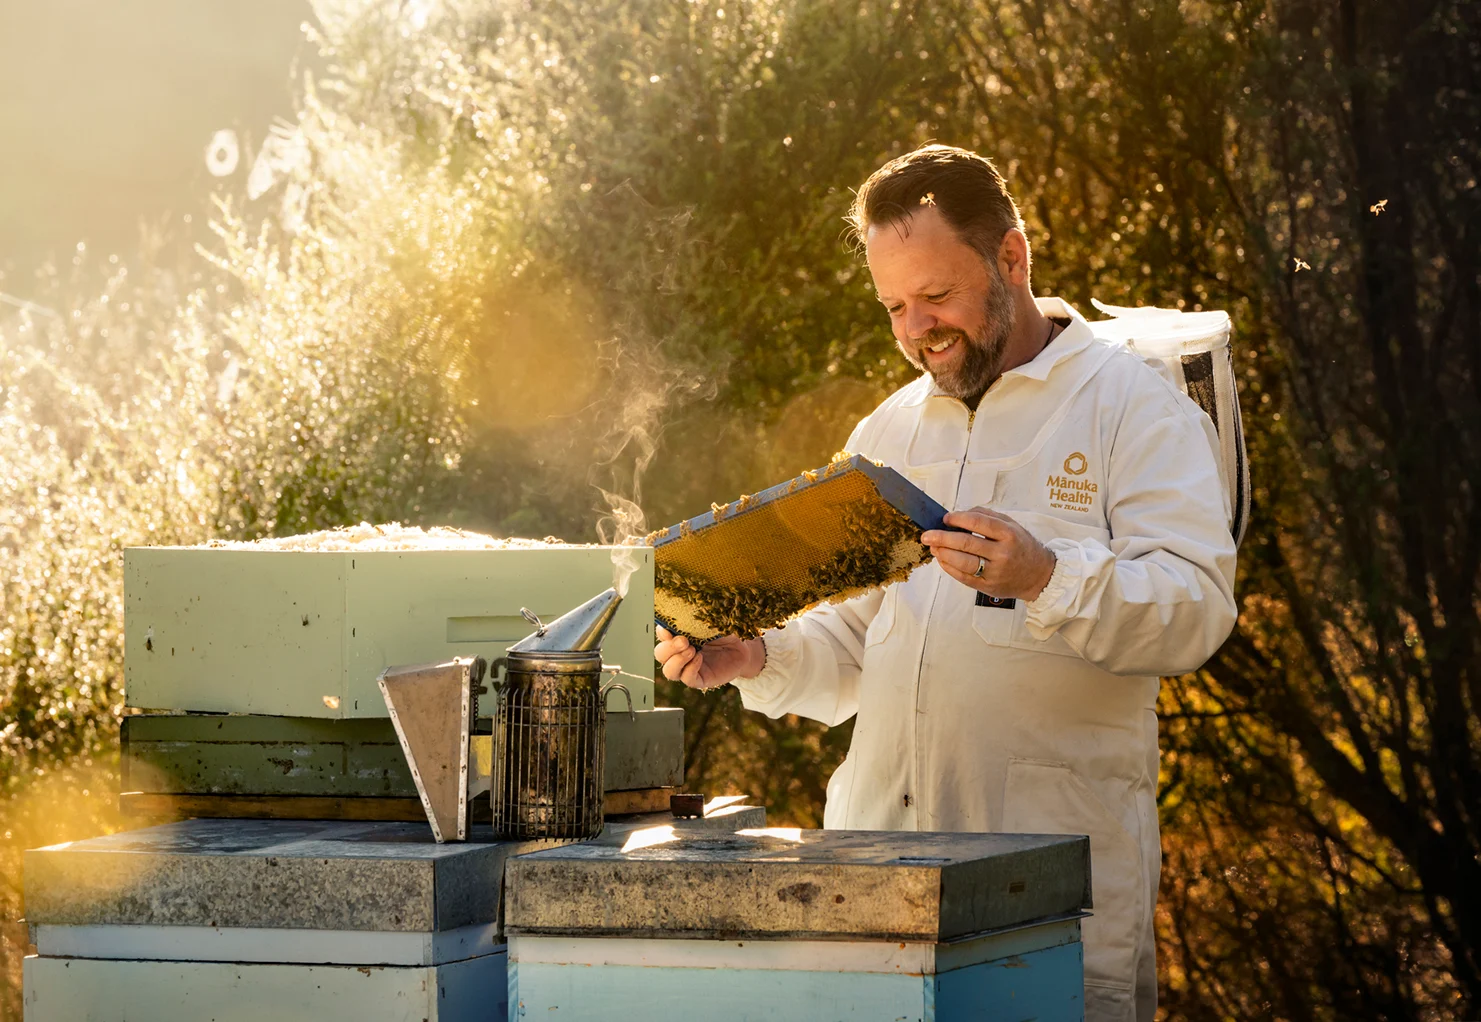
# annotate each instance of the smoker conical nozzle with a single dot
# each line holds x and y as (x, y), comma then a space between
(576, 630)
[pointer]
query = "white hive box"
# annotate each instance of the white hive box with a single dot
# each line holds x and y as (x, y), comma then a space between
(75, 989)
(303, 633)
(280, 920)
(799, 926)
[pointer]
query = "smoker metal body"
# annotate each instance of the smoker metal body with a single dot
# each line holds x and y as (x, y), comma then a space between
(550, 743)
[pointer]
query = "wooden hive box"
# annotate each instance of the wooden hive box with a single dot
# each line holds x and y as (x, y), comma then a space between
(303, 633)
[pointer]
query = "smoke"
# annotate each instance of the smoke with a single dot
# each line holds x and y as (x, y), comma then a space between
(634, 437)
(624, 528)
(651, 386)
(649, 383)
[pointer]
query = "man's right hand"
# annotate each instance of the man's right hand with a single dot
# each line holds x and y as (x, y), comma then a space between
(720, 662)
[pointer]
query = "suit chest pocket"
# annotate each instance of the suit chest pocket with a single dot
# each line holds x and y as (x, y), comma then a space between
(939, 479)
(993, 622)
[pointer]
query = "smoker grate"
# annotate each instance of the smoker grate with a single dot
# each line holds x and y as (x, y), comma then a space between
(825, 535)
(549, 750)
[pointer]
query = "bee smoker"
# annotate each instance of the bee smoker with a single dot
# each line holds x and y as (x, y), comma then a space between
(550, 726)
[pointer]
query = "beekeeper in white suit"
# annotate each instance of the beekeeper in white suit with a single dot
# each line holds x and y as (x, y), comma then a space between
(1011, 683)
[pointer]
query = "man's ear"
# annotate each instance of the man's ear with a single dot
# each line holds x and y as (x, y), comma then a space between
(1013, 258)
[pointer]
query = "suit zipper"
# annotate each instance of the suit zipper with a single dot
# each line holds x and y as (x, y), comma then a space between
(926, 637)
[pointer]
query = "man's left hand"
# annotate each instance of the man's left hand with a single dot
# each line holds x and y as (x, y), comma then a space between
(1013, 563)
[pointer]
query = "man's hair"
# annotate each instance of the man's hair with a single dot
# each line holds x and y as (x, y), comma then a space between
(966, 188)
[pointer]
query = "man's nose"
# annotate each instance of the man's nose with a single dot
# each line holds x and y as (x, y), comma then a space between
(918, 322)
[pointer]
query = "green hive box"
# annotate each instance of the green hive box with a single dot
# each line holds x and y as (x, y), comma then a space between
(304, 633)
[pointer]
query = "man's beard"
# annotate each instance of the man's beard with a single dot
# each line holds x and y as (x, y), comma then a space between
(982, 355)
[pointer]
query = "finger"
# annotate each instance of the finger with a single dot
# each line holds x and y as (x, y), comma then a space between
(690, 675)
(956, 561)
(1005, 521)
(663, 633)
(989, 525)
(986, 583)
(964, 577)
(964, 541)
(674, 666)
(670, 647)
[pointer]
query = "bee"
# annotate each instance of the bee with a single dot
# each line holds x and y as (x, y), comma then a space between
(1301, 264)
(1378, 207)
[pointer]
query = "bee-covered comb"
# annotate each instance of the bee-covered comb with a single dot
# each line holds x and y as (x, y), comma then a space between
(826, 535)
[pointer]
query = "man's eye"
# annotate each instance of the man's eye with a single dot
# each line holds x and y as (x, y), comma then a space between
(936, 297)
(894, 310)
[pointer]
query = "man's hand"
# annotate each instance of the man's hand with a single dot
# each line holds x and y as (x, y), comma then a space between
(720, 662)
(1013, 563)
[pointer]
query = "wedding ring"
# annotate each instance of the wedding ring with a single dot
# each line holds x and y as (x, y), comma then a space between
(981, 563)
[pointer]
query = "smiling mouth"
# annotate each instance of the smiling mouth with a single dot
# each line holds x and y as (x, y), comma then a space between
(938, 348)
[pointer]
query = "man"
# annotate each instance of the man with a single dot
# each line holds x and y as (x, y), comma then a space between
(1011, 684)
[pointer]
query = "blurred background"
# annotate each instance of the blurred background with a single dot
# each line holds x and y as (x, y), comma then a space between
(106, 110)
(280, 266)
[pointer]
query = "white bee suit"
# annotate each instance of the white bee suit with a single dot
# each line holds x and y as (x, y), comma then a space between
(1039, 717)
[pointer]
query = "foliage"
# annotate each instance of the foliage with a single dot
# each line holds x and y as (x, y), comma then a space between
(509, 257)
(1313, 166)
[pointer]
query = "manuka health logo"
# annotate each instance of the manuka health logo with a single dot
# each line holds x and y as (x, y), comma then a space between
(1069, 492)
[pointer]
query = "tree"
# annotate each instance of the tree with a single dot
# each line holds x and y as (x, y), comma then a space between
(1311, 166)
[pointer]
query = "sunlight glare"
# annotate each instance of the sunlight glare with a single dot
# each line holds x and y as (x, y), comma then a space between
(648, 837)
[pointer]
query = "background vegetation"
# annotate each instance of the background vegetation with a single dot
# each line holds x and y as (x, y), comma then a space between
(519, 253)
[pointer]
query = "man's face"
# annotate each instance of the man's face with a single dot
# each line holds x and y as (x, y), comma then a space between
(951, 312)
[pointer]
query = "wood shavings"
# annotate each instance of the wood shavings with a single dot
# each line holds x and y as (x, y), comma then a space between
(389, 536)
